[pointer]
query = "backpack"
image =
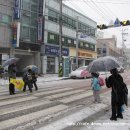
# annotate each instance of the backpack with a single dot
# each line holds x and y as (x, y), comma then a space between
(101, 81)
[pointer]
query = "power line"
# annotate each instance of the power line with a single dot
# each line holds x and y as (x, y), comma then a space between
(124, 2)
(99, 12)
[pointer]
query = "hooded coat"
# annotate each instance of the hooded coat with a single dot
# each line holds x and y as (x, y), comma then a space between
(115, 81)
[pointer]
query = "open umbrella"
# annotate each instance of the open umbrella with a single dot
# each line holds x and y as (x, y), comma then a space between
(32, 67)
(103, 64)
(10, 61)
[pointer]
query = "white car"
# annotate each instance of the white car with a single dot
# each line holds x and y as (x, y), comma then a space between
(81, 72)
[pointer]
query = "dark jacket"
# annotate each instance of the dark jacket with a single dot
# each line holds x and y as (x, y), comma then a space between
(12, 71)
(116, 83)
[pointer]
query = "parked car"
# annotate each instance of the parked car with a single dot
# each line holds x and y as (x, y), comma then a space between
(81, 72)
(120, 69)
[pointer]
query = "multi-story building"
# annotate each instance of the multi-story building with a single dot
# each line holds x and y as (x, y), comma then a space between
(25, 13)
(108, 47)
(86, 46)
(38, 34)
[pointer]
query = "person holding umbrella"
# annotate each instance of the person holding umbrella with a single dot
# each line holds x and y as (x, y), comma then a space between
(115, 81)
(34, 80)
(27, 78)
(12, 74)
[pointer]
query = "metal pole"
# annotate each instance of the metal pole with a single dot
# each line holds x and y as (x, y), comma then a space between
(77, 41)
(60, 42)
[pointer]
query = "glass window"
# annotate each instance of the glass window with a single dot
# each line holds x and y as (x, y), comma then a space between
(34, 8)
(26, 20)
(53, 16)
(25, 33)
(26, 5)
(33, 35)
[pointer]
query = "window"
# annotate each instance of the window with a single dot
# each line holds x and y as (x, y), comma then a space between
(53, 16)
(26, 20)
(33, 35)
(25, 33)
(53, 38)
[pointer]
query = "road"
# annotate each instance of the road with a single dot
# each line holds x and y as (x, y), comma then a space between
(53, 101)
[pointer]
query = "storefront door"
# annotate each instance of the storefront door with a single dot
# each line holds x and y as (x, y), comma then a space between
(50, 65)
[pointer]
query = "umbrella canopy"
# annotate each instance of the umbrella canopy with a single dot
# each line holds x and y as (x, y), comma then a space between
(103, 64)
(32, 67)
(10, 61)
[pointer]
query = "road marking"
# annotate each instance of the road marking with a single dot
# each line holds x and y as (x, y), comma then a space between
(64, 94)
(16, 100)
(53, 91)
(22, 107)
(76, 97)
(74, 118)
(29, 117)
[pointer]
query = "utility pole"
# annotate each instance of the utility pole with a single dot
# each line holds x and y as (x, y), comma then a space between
(60, 41)
(123, 45)
(77, 41)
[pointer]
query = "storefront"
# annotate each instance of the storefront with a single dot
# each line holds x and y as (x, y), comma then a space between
(51, 59)
(84, 57)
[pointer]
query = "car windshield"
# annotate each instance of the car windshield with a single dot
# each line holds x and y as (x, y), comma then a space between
(82, 68)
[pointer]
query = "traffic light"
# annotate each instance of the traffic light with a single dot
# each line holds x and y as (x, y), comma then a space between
(103, 26)
(125, 23)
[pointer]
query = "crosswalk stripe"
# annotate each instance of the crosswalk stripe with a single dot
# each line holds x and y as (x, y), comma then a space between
(24, 119)
(53, 91)
(64, 94)
(76, 97)
(22, 107)
(16, 100)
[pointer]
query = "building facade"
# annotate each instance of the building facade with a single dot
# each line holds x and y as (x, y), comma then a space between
(29, 30)
(86, 46)
(108, 47)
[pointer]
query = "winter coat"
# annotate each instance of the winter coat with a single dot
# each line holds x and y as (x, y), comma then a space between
(116, 83)
(12, 71)
(27, 77)
(95, 84)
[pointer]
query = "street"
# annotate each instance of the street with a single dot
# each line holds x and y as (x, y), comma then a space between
(54, 101)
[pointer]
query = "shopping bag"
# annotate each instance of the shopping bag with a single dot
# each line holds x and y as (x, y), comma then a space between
(18, 83)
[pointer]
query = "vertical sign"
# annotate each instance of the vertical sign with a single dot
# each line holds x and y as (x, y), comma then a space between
(40, 22)
(40, 30)
(17, 9)
(16, 34)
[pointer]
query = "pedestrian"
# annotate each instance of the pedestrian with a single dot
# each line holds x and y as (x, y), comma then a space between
(115, 81)
(27, 78)
(96, 87)
(12, 74)
(34, 80)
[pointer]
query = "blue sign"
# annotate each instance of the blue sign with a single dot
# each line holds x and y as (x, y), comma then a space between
(117, 23)
(52, 50)
(17, 9)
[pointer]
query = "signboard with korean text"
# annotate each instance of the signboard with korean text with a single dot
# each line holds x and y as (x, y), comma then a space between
(52, 50)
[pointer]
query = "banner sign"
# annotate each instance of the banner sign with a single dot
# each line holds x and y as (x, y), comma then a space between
(16, 34)
(40, 29)
(17, 9)
(52, 50)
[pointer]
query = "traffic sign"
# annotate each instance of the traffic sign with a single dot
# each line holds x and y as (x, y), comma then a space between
(117, 23)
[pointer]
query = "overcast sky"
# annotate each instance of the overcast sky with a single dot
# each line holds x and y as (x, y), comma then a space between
(103, 12)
